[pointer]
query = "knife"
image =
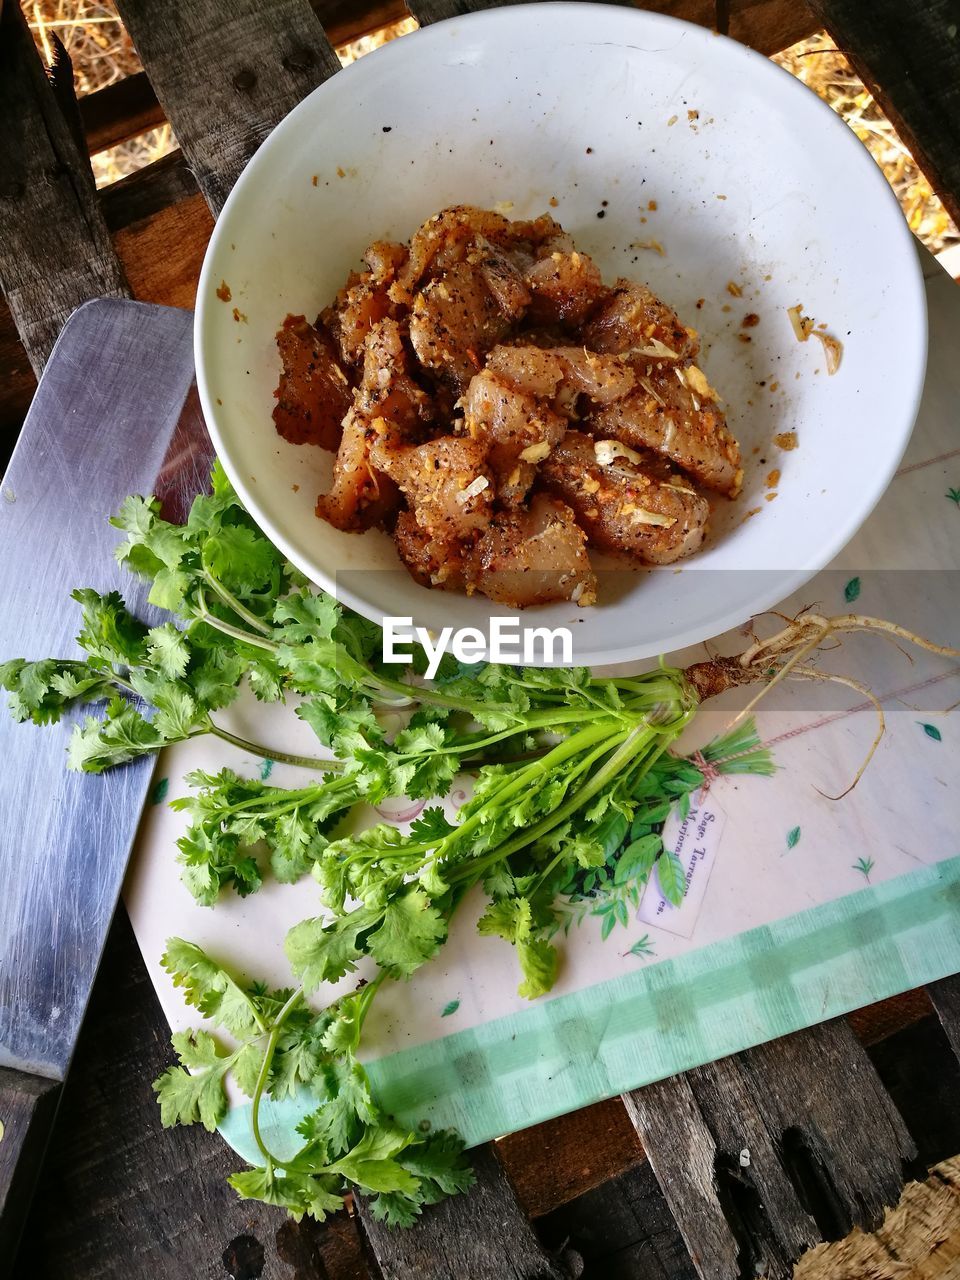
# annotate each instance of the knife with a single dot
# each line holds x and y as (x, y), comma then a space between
(114, 414)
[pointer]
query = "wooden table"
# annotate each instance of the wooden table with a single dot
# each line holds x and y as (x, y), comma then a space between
(650, 1185)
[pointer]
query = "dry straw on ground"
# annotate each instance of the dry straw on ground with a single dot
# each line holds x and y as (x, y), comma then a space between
(102, 52)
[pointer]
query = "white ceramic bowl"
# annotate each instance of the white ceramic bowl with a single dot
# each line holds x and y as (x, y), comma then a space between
(593, 113)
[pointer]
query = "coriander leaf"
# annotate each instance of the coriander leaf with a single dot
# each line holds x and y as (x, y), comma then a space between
(322, 951)
(439, 1159)
(122, 735)
(245, 1068)
(168, 650)
(377, 1175)
(110, 633)
(241, 558)
(347, 1108)
(270, 1187)
(40, 691)
(410, 933)
(431, 825)
(307, 614)
(209, 988)
(509, 918)
(394, 1209)
(539, 962)
(186, 1098)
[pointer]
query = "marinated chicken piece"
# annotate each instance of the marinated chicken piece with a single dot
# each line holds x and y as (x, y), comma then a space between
(454, 323)
(314, 391)
(500, 406)
(533, 556)
(445, 483)
(517, 430)
(431, 561)
(387, 401)
(360, 498)
(541, 372)
(566, 287)
(443, 241)
(364, 300)
(624, 500)
(634, 322)
(674, 412)
(502, 277)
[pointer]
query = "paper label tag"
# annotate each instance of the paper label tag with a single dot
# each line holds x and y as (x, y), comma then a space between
(695, 840)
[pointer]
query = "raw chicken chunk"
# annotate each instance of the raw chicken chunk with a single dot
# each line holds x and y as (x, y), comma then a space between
(625, 501)
(633, 321)
(532, 556)
(314, 391)
(673, 411)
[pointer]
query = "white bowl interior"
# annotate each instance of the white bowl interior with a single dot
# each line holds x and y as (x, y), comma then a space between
(583, 111)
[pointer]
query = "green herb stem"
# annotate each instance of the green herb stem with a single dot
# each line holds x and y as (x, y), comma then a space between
(281, 757)
(264, 1073)
(231, 601)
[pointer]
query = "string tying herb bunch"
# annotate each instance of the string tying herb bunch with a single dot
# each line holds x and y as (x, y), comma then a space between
(574, 777)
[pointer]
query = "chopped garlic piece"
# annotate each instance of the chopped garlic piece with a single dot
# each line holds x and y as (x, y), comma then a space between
(607, 450)
(640, 516)
(833, 349)
(655, 350)
(473, 488)
(697, 382)
(652, 391)
(802, 325)
(536, 452)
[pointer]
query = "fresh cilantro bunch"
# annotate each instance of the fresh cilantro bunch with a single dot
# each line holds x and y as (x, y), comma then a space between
(278, 1046)
(574, 779)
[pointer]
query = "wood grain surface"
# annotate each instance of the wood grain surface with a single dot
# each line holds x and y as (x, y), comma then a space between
(55, 251)
(484, 1235)
(226, 79)
(907, 52)
(764, 1153)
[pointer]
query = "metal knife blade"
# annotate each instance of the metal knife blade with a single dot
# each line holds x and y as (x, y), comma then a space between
(103, 424)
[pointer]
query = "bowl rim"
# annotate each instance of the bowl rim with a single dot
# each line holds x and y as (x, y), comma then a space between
(619, 18)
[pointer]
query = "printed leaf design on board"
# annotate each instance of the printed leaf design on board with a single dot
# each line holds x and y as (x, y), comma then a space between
(864, 866)
(852, 590)
(793, 837)
(642, 947)
(672, 878)
(266, 769)
(450, 1007)
(159, 792)
(954, 495)
(931, 731)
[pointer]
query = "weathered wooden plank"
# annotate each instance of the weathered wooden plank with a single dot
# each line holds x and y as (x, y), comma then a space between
(119, 111)
(908, 55)
(945, 998)
(484, 1235)
(130, 106)
(55, 252)
(767, 25)
(27, 1108)
(919, 1070)
(561, 1159)
(226, 77)
(919, 1239)
(622, 1231)
(763, 1154)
